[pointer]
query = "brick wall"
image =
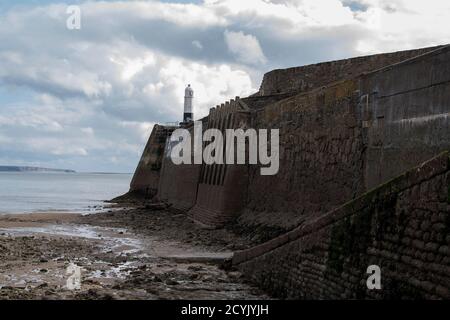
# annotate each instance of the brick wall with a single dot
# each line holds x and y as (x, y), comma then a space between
(402, 226)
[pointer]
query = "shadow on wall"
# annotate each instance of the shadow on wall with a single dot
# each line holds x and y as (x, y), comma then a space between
(336, 141)
(402, 226)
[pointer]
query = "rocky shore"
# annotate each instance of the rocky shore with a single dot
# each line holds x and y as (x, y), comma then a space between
(126, 253)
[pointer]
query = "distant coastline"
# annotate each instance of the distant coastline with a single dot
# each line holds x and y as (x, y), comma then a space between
(32, 169)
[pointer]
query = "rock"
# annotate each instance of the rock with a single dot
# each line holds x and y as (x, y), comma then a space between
(234, 275)
(156, 206)
(171, 282)
(208, 278)
(90, 281)
(442, 291)
(195, 268)
(444, 250)
(194, 276)
(431, 246)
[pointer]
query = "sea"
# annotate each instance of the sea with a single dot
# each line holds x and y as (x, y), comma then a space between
(28, 192)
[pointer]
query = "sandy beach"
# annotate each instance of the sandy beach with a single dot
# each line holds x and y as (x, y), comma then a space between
(125, 253)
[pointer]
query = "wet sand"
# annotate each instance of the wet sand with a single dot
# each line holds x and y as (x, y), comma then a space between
(133, 253)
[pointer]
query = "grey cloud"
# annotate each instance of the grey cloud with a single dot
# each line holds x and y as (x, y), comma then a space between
(127, 67)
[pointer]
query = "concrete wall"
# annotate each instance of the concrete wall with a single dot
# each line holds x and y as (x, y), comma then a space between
(402, 226)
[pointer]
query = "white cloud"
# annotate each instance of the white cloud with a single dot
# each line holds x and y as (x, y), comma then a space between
(394, 25)
(130, 67)
(197, 44)
(143, 129)
(69, 151)
(212, 84)
(88, 131)
(80, 97)
(245, 47)
(184, 15)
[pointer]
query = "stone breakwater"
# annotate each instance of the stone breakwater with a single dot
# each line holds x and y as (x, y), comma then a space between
(345, 128)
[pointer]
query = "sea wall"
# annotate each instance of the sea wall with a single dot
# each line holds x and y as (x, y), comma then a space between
(222, 188)
(346, 127)
(339, 141)
(178, 184)
(406, 114)
(321, 157)
(402, 227)
(305, 78)
(146, 177)
(336, 141)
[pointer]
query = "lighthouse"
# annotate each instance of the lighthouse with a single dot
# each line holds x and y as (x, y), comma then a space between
(188, 97)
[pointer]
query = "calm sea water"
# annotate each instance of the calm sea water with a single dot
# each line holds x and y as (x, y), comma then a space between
(24, 192)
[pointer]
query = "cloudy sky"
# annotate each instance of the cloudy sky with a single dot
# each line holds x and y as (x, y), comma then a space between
(87, 99)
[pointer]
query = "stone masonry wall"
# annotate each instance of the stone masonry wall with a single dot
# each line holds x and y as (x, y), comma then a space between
(321, 158)
(222, 188)
(402, 226)
(146, 176)
(406, 114)
(337, 142)
(305, 78)
(178, 183)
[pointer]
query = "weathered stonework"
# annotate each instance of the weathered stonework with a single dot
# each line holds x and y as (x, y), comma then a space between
(402, 226)
(346, 127)
(305, 78)
(340, 140)
(405, 115)
(222, 188)
(146, 176)
(178, 183)
(321, 158)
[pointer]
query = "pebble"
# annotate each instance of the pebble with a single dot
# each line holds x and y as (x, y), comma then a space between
(171, 282)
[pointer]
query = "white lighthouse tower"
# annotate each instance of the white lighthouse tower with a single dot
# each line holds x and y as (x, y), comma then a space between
(188, 97)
